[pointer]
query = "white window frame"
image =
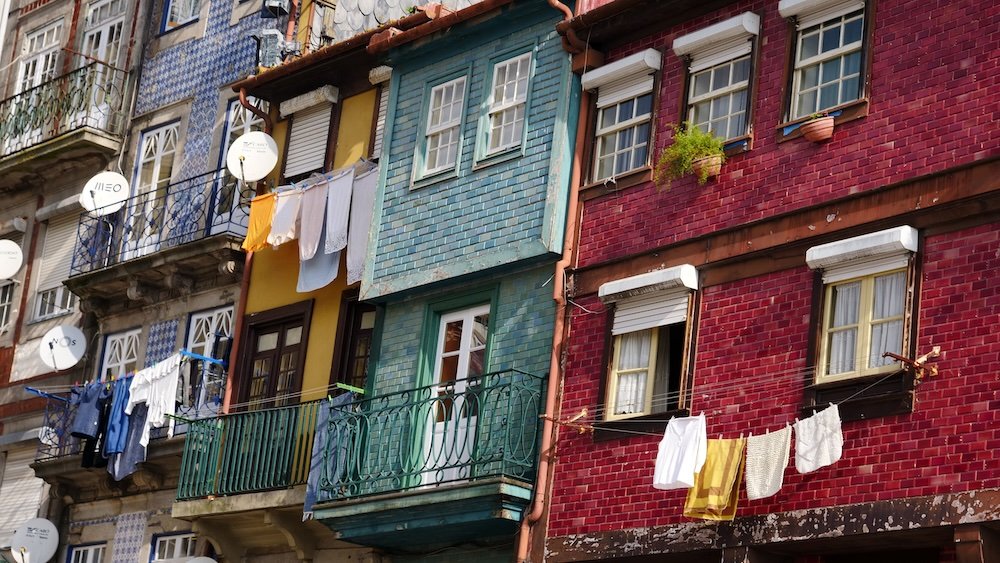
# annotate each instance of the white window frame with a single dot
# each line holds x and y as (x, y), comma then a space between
(120, 350)
(440, 128)
(7, 290)
(177, 13)
(54, 302)
(87, 553)
(618, 83)
(508, 110)
(861, 260)
(710, 50)
(102, 38)
(812, 17)
(174, 543)
(39, 55)
(646, 303)
(201, 342)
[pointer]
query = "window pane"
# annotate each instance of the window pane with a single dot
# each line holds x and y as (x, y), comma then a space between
(831, 38)
(889, 296)
(886, 337)
(846, 302)
(741, 70)
(852, 31)
(631, 393)
(828, 96)
(625, 110)
(293, 336)
(852, 63)
(810, 77)
(702, 83)
(267, 342)
(634, 350)
(644, 104)
(842, 345)
(831, 70)
(810, 46)
(720, 77)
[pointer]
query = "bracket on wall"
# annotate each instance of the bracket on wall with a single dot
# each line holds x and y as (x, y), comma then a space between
(571, 422)
(919, 366)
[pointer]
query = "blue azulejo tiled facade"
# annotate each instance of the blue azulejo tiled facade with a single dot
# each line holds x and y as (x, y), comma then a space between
(198, 69)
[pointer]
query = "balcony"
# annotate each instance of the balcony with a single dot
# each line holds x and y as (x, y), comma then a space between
(62, 121)
(443, 463)
(162, 243)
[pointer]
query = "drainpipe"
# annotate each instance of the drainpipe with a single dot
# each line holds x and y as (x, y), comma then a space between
(561, 329)
(292, 12)
(571, 43)
(256, 111)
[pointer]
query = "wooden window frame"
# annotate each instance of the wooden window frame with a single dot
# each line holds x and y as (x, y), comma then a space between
(256, 321)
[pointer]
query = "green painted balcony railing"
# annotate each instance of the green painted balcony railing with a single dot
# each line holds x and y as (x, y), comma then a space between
(248, 451)
(462, 430)
(90, 96)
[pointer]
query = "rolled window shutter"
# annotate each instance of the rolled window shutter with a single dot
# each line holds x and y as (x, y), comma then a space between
(57, 251)
(308, 139)
(624, 89)
(648, 311)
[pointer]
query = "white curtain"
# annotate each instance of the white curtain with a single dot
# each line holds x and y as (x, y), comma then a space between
(888, 301)
(843, 343)
(632, 371)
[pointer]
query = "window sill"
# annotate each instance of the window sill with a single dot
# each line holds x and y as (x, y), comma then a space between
(737, 145)
(37, 320)
(620, 429)
(168, 31)
(869, 397)
(498, 157)
(841, 114)
(434, 178)
(611, 185)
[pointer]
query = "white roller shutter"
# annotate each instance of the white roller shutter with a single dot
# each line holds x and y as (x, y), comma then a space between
(57, 251)
(651, 310)
(20, 491)
(308, 140)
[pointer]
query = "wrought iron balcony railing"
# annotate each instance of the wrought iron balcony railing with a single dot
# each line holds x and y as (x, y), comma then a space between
(90, 96)
(162, 217)
(458, 431)
(248, 452)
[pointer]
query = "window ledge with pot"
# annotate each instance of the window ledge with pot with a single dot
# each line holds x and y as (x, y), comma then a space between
(841, 114)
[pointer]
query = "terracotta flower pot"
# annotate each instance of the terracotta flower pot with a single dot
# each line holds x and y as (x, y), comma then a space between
(707, 167)
(818, 130)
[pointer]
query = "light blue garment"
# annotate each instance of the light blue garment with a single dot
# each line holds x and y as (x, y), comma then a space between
(318, 271)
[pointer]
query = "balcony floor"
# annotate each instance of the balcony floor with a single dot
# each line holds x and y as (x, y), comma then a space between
(425, 519)
(86, 148)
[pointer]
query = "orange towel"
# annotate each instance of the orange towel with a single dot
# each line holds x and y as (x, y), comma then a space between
(261, 212)
(717, 486)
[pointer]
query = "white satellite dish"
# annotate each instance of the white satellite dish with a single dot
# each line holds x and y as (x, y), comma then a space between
(11, 259)
(62, 347)
(104, 194)
(35, 541)
(252, 156)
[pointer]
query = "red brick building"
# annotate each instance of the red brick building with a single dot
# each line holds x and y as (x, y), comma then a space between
(777, 286)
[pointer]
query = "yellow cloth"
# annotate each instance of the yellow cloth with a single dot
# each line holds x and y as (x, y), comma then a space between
(717, 486)
(261, 212)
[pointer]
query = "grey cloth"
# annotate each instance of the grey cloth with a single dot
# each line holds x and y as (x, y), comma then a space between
(125, 463)
(318, 271)
(333, 440)
(362, 207)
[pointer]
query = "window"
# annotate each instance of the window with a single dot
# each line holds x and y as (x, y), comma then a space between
(624, 113)
(174, 548)
(87, 553)
(444, 118)
(52, 299)
(649, 332)
(40, 53)
(275, 355)
(121, 353)
(865, 297)
(103, 36)
(357, 327)
(6, 304)
(206, 328)
(228, 199)
(154, 169)
(507, 103)
(828, 54)
(719, 60)
(180, 12)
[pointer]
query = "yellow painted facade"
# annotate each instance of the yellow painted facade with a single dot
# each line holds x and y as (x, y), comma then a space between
(274, 273)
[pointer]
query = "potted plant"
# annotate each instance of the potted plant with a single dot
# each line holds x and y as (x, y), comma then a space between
(818, 127)
(692, 152)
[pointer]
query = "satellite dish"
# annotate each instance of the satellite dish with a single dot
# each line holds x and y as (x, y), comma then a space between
(252, 156)
(35, 541)
(11, 259)
(62, 347)
(104, 194)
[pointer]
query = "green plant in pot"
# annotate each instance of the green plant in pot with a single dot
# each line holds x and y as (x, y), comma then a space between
(693, 151)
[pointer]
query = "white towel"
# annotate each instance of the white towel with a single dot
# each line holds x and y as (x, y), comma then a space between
(157, 387)
(338, 209)
(311, 218)
(285, 223)
(818, 440)
(767, 458)
(681, 454)
(362, 207)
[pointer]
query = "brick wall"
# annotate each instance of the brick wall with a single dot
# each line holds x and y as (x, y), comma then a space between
(755, 330)
(487, 215)
(933, 63)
